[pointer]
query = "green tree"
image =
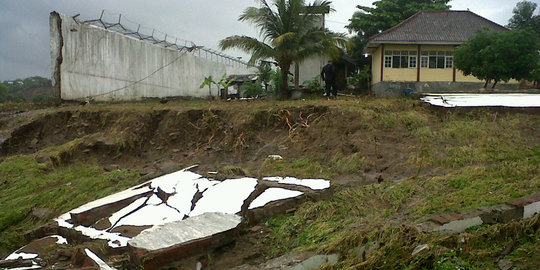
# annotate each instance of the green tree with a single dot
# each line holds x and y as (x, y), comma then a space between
(524, 17)
(264, 72)
(499, 56)
(289, 32)
(4, 93)
(369, 21)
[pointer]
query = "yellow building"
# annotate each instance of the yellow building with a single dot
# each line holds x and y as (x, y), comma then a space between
(418, 53)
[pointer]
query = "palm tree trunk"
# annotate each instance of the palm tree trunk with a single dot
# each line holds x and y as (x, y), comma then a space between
(284, 82)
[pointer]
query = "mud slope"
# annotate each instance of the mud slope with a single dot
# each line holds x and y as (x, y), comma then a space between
(153, 139)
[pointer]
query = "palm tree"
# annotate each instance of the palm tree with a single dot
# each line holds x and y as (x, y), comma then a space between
(289, 32)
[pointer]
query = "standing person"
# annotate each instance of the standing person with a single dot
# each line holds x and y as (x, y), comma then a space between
(328, 74)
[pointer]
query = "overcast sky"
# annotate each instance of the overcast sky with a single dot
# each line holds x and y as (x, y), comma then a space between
(24, 24)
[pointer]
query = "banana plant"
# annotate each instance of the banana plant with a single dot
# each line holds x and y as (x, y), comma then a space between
(208, 81)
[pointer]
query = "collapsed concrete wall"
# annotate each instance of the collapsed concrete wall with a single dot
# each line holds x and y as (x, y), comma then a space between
(93, 62)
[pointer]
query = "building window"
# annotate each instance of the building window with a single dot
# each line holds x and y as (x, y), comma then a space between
(388, 61)
(449, 60)
(424, 59)
(412, 61)
(437, 59)
(400, 59)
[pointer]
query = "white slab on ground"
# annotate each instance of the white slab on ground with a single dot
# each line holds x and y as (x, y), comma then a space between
(169, 182)
(315, 184)
(25, 256)
(179, 232)
(225, 197)
(98, 260)
(150, 215)
(273, 194)
(483, 100)
(126, 210)
(122, 195)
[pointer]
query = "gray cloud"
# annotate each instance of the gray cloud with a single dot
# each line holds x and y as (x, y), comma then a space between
(24, 34)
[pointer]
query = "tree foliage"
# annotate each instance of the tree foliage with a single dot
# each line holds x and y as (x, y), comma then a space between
(369, 21)
(524, 17)
(27, 83)
(289, 34)
(4, 93)
(499, 56)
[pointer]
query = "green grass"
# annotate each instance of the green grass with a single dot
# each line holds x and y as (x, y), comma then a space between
(26, 184)
(464, 161)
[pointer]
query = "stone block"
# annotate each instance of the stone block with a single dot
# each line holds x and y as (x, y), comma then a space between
(520, 202)
(164, 244)
(500, 213)
(531, 209)
(458, 226)
(316, 262)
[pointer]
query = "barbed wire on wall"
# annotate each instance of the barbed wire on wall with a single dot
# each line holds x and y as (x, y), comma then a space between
(127, 27)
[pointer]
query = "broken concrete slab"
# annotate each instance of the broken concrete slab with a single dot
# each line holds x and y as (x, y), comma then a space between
(97, 260)
(531, 209)
(315, 184)
(420, 249)
(160, 245)
(317, 261)
(460, 225)
(28, 257)
(483, 100)
(180, 197)
(283, 262)
(213, 198)
(273, 194)
(500, 213)
(530, 204)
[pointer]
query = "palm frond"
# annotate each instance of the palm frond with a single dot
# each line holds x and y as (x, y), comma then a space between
(258, 49)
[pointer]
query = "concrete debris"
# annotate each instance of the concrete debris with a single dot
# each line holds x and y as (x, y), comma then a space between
(317, 261)
(505, 264)
(273, 194)
(420, 249)
(483, 100)
(160, 245)
(180, 232)
(27, 257)
(275, 157)
(102, 265)
(315, 184)
(363, 251)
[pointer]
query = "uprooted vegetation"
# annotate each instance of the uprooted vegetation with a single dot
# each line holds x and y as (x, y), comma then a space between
(393, 161)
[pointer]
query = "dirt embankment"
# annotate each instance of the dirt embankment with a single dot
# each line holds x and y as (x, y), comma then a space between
(159, 139)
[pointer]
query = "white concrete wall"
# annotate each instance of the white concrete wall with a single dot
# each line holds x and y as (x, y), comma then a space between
(312, 67)
(96, 61)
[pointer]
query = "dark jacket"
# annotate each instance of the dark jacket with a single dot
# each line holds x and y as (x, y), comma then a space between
(328, 72)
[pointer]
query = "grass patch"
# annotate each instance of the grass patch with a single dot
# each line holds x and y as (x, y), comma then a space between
(26, 184)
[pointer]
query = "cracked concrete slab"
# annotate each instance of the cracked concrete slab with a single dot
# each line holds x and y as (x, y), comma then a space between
(160, 245)
(179, 196)
(273, 194)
